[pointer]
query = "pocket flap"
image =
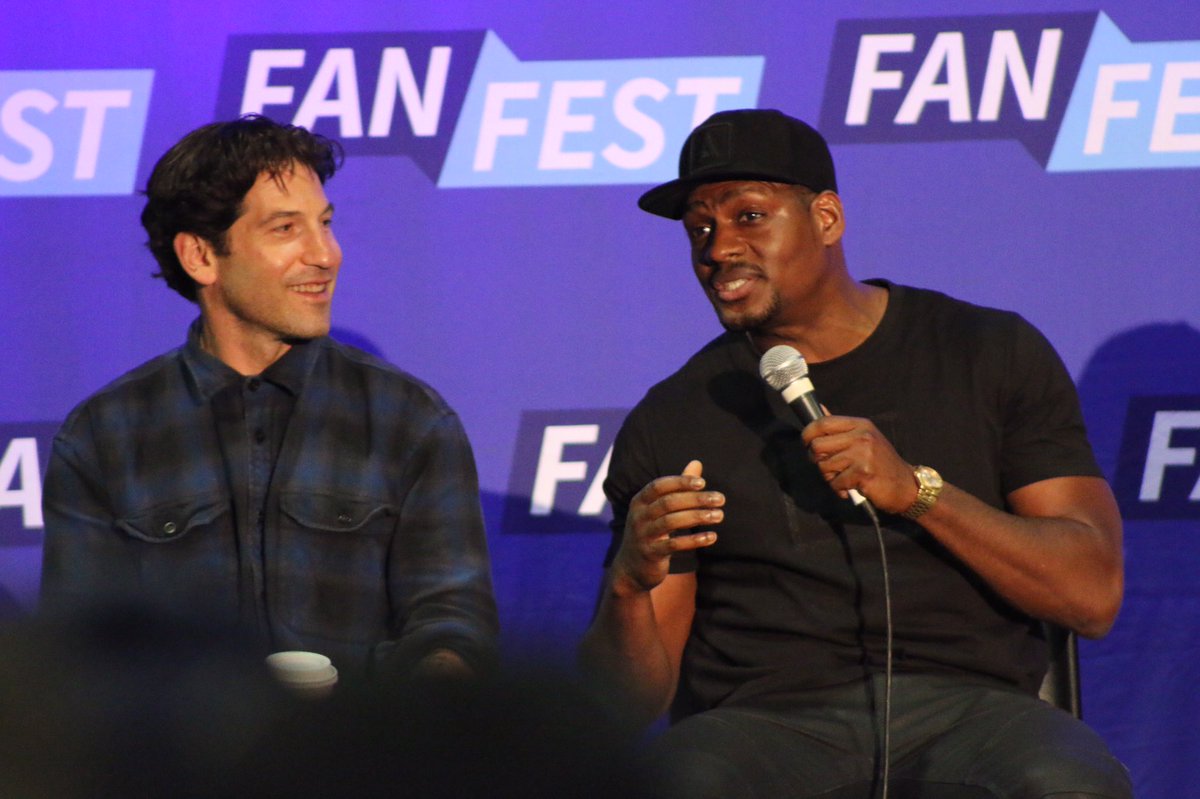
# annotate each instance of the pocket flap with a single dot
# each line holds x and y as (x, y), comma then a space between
(329, 512)
(167, 523)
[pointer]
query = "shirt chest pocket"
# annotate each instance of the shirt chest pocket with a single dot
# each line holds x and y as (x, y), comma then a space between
(166, 524)
(327, 564)
(186, 556)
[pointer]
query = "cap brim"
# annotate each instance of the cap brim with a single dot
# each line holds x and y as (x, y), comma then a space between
(670, 199)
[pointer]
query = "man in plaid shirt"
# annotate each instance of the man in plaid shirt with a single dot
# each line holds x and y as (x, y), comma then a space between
(264, 475)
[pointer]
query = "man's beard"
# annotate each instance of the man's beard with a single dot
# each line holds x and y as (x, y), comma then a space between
(749, 321)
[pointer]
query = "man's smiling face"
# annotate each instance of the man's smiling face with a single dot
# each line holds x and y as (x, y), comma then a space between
(276, 281)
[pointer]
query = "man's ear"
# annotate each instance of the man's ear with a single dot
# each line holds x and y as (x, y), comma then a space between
(197, 256)
(830, 216)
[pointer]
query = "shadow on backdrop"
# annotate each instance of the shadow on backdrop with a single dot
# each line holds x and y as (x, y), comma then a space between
(356, 339)
(1152, 360)
(1139, 683)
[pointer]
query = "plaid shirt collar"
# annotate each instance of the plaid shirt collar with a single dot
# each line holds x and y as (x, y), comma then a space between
(208, 374)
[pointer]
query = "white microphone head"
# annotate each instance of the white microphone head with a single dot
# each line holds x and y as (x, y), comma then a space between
(781, 366)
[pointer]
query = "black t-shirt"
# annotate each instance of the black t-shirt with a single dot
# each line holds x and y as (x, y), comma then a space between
(791, 595)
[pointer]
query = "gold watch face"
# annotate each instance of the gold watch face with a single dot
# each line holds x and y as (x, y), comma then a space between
(927, 477)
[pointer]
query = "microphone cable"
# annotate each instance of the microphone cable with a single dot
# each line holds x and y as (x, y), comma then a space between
(883, 770)
(785, 370)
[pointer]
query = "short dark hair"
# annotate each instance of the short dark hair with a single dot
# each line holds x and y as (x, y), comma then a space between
(199, 185)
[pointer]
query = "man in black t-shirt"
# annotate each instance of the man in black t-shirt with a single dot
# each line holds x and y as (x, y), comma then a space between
(958, 424)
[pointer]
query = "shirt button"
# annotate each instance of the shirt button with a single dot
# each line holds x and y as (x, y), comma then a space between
(169, 528)
(253, 383)
(259, 436)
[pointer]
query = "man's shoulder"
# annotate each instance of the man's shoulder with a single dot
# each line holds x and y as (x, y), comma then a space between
(142, 385)
(688, 396)
(924, 301)
(128, 404)
(953, 318)
(715, 357)
(967, 333)
(377, 376)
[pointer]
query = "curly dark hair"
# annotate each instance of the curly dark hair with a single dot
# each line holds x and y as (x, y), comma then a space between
(199, 185)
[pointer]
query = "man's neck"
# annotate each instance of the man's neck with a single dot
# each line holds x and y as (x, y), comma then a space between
(246, 355)
(837, 324)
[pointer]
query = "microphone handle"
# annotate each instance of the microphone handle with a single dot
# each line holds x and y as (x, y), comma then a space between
(803, 400)
(807, 407)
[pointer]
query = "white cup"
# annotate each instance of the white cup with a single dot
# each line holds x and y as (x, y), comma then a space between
(307, 673)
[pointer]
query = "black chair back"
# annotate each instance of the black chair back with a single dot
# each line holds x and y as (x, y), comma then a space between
(1060, 687)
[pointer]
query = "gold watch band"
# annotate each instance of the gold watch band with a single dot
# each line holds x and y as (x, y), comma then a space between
(929, 486)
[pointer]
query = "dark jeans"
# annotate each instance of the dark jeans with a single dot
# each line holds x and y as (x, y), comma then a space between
(948, 739)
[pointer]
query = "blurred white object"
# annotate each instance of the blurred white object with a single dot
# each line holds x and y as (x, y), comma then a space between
(307, 673)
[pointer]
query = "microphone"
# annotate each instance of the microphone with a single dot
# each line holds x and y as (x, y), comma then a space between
(785, 370)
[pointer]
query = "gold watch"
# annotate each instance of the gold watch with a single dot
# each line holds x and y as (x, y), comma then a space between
(929, 485)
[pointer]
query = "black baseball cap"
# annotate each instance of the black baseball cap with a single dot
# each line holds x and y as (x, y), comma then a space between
(750, 144)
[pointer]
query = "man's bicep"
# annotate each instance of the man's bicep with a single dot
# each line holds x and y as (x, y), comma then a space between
(1088, 500)
(1044, 435)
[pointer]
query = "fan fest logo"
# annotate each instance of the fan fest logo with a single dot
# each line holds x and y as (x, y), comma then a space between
(1073, 89)
(1158, 473)
(559, 466)
(24, 449)
(71, 132)
(470, 113)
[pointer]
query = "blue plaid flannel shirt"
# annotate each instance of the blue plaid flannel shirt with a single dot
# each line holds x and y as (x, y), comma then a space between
(372, 547)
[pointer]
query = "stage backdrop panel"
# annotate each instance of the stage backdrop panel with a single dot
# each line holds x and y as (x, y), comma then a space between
(1038, 156)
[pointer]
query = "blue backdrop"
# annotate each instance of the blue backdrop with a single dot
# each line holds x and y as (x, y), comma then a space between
(1038, 156)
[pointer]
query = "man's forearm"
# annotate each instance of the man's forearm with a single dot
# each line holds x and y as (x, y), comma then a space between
(1062, 568)
(624, 648)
